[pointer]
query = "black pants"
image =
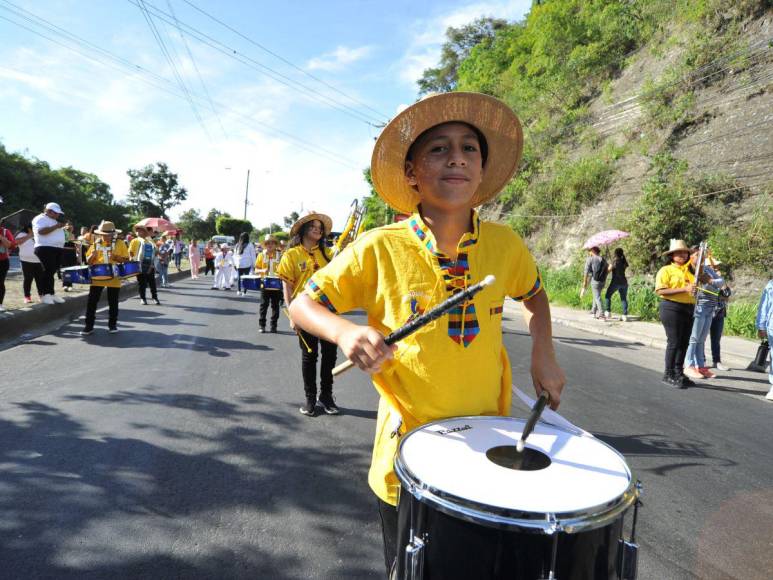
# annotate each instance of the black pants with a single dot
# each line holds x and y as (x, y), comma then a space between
(389, 523)
(677, 321)
(95, 292)
(717, 326)
(269, 297)
(145, 280)
(209, 266)
(309, 364)
(4, 266)
(32, 271)
(50, 257)
(241, 272)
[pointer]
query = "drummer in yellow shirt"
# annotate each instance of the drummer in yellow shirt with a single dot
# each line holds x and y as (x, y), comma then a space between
(437, 161)
(106, 249)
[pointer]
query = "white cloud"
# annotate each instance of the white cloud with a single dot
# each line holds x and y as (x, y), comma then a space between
(339, 58)
(429, 35)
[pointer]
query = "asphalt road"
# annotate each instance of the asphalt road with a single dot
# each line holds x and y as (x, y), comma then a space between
(175, 449)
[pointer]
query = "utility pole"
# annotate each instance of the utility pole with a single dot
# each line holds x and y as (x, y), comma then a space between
(247, 194)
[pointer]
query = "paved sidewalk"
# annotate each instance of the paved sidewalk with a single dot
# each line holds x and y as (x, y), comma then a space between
(736, 352)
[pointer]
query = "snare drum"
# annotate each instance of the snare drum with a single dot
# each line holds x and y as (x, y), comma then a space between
(76, 275)
(101, 271)
(272, 283)
(472, 507)
(127, 269)
(252, 282)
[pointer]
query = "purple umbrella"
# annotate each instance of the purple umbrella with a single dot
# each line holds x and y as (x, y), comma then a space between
(604, 238)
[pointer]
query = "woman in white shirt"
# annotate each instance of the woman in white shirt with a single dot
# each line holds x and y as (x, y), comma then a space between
(244, 258)
(31, 267)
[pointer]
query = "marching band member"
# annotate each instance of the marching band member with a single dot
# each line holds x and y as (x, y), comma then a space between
(106, 249)
(224, 265)
(306, 255)
(265, 265)
(437, 160)
(143, 250)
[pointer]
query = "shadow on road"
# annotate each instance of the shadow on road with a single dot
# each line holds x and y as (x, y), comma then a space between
(74, 505)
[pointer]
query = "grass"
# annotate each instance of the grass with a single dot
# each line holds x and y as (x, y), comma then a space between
(563, 288)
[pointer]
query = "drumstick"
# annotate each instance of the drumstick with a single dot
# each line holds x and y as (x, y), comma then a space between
(432, 314)
(536, 411)
(303, 340)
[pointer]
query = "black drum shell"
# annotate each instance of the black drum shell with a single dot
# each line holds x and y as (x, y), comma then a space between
(457, 549)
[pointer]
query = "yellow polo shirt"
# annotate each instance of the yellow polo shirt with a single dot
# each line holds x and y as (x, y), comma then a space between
(107, 255)
(298, 264)
(456, 365)
(673, 276)
(264, 261)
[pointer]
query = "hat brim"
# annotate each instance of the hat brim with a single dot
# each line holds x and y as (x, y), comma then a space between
(326, 222)
(498, 123)
(101, 233)
(669, 252)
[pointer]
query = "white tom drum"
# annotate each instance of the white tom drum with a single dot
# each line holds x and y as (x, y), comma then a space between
(472, 507)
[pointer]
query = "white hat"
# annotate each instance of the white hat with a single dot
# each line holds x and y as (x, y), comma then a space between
(54, 207)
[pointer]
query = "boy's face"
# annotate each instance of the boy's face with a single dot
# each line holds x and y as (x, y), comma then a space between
(447, 166)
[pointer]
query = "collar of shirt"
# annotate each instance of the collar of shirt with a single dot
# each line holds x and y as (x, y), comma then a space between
(427, 238)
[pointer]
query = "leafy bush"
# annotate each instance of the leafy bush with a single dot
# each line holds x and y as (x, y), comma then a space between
(228, 226)
(751, 245)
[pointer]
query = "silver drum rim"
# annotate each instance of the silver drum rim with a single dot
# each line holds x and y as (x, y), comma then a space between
(508, 519)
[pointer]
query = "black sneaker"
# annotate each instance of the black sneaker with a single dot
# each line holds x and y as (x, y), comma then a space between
(685, 381)
(157, 301)
(273, 329)
(328, 404)
(310, 408)
(87, 331)
(112, 330)
(667, 379)
(143, 301)
(262, 329)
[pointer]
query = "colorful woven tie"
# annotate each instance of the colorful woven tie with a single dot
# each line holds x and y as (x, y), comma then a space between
(462, 320)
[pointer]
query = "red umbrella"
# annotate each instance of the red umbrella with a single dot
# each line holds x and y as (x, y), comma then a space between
(158, 224)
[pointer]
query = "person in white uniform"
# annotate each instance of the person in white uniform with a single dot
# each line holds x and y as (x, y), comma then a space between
(224, 268)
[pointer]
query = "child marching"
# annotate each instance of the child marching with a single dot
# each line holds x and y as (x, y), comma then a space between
(143, 250)
(437, 160)
(307, 254)
(266, 265)
(224, 268)
(106, 251)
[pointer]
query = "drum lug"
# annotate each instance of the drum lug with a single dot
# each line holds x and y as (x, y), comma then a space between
(629, 559)
(414, 559)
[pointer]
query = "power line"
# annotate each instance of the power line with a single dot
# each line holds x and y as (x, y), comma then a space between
(284, 60)
(159, 82)
(263, 69)
(198, 72)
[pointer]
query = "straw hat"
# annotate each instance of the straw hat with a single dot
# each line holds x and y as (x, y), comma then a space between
(498, 123)
(327, 223)
(270, 238)
(676, 246)
(107, 228)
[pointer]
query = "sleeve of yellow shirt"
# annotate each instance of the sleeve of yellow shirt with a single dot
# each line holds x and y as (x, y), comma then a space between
(341, 286)
(524, 280)
(663, 278)
(259, 262)
(134, 247)
(120, 250)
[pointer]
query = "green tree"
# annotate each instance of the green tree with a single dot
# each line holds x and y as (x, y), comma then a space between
(154, 190)
(377, 212)
(194, 226)
(291, 219)
(228, 226)
(459, 43)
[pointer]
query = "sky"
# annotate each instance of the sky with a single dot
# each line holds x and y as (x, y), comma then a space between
(293, 91)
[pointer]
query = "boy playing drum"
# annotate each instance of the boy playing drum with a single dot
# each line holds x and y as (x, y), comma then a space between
(437, 160)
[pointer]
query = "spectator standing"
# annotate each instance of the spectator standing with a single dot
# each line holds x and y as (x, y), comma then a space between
(596, 273)
(177, 250)
(48, 229)
(7, 243)
(712, 287)
(715, 334)
(675, 284)
(209, 258)
(619, 283)
(764, 324)
(31, 268)
(194, 258)
(244, 259)
(143, 250)
(164, 255)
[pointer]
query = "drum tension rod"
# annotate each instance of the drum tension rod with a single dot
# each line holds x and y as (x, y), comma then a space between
(629, 550)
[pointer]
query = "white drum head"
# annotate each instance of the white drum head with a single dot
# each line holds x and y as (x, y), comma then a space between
(450, 457)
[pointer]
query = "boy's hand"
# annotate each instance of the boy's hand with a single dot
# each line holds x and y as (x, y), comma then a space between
(365, 347)
(547, 376)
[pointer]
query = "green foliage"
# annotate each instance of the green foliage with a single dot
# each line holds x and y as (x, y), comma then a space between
(460, 41)
(740, 319)
(291, 219)
(154, 190)
(31, 183)
(282, 236)
(377, 212)
(194, 226)
(228, 226)
(750, 245)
